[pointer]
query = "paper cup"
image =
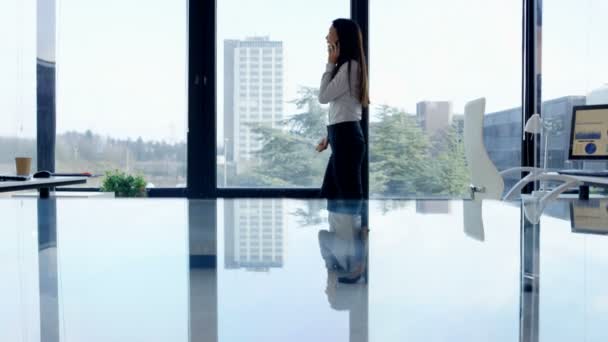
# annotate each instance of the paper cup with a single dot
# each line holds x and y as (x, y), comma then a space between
(23, 165)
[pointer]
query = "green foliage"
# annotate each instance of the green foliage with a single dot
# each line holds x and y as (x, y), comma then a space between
(399, 160)
(450, 170)
(288, 157)
(124, 185)
(404, 160)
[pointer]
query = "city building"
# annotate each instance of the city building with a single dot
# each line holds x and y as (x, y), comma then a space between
(253, 94)
(502, 137)
(503, 133)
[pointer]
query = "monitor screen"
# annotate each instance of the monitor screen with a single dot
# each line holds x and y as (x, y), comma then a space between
(590, 216)
(589, 134)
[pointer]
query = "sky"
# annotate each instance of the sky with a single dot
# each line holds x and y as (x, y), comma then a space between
(122, 67)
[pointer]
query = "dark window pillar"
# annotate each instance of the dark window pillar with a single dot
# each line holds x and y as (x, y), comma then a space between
(45, 77)
(201, 100)
(531, 97)
(359, 12)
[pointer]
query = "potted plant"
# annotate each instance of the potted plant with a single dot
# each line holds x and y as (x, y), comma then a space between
(123, 184)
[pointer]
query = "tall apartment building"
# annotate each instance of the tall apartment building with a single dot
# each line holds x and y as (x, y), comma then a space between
(253, 94)
(254, 234)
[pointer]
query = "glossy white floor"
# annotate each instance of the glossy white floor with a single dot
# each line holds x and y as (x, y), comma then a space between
(294, 270)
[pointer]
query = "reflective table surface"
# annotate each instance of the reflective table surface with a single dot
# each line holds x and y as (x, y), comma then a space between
(302, 270)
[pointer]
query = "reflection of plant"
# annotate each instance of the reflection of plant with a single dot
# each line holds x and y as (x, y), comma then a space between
(400, 161)
(124, 185)
(311, 215)
(390, 205)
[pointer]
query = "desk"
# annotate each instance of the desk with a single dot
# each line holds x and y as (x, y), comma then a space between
(43, 185)
(125, 256)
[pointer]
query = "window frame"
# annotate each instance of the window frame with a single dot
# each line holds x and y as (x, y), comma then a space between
(202, 103)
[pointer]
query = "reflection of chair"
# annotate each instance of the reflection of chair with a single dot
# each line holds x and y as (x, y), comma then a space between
(473, 219)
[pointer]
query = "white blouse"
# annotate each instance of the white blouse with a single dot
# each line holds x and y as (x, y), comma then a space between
(344, 104)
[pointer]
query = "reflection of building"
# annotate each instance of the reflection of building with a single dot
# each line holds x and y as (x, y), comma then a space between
(253, 234)
(253, 93)
(433, 207)
(434, 116)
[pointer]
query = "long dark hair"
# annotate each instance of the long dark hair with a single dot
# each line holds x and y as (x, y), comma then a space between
(351, 48)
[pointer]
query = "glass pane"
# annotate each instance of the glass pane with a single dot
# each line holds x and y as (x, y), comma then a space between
(427, 60)
(122, 89)
(17, 83)
(434, 276)
(267, 246)
(574, 72)
(269, 67)
(138, 265)
(572, 258)
(19, 265)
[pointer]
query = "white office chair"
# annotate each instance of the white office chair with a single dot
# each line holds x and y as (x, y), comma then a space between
(486, 181)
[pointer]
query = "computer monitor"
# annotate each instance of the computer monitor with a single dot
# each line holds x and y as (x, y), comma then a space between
(589, 133)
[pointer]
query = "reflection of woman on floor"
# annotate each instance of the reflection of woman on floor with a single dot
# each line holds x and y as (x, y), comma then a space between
(344, 245)
(344, 250)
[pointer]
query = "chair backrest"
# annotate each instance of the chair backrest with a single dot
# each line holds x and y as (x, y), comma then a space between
(483, 172)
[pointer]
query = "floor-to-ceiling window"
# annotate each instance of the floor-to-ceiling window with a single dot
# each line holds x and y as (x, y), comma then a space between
(17, 82)
(270, 58)
(427, 60)
(122, 89)
(574, 71)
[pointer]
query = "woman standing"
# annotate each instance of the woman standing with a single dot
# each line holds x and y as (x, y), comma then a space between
(344, 87)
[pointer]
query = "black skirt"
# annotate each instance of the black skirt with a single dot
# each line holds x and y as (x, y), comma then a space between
(343, 173)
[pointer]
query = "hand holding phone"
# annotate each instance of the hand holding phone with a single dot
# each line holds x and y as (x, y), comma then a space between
(333, 50)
